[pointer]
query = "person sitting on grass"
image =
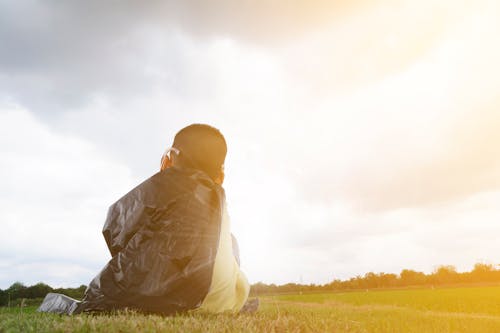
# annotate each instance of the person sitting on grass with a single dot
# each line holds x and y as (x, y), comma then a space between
(170, 240)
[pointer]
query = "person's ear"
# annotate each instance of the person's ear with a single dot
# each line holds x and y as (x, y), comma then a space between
(220, 179)
(165, 163)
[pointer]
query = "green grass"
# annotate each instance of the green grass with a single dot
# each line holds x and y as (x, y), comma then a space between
(482, 300)
(426, 310)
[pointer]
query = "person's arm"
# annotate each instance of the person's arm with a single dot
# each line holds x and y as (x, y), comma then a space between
(236, 249)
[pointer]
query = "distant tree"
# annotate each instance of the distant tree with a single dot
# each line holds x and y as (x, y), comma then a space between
(38, 290)
(76, 293)
(446, 274)
(484, 272)
(370, 280)
(17, 290)
(336, 284)
(354, 283)
(410, 277)
(4, 297)
(388, 280)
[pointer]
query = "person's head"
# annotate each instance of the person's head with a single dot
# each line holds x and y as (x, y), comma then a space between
(201, 147)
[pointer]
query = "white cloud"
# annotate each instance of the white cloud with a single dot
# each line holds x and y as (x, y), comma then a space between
(55, 193)
(421, 135)
(315, 244)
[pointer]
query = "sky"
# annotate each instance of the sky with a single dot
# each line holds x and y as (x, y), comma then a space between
(362, 135)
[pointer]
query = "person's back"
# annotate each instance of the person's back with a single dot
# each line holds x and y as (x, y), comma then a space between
(169, 237)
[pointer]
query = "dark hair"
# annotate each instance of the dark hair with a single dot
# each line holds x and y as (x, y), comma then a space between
(201, 147)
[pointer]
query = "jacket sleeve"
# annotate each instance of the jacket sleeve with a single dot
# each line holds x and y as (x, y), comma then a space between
(124, 219)
(129, 214)
(163, 237)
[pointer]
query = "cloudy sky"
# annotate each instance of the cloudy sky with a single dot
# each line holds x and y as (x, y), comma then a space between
(363, 135)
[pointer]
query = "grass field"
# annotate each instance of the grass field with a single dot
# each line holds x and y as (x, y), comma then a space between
(424, 310)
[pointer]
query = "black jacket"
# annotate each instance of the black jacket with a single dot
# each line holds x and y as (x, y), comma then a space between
(163, 238)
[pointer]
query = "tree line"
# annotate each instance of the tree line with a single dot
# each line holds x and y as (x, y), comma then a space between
(443, 275)
(18, 290)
